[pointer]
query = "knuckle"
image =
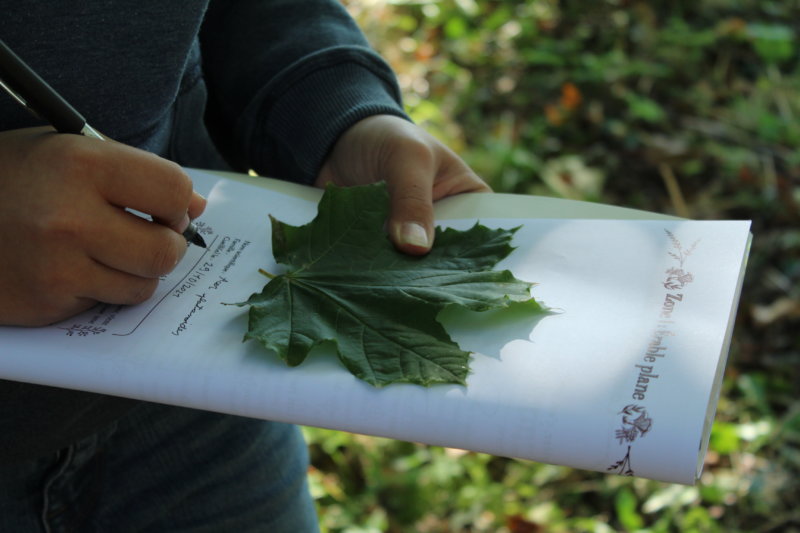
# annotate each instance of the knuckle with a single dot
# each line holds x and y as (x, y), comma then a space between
(54, 288)
(59, 224)
(141, 290)
(412, 201)
(413, 193)
(164, 258)
(178, 183)
(175, 189)
(416, 149)
(75, 158)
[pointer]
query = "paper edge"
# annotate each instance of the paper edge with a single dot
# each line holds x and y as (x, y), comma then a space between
(722, 363)
(484, 205)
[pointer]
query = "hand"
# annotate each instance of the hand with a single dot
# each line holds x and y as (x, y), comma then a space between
(417, 168)
(67, 240)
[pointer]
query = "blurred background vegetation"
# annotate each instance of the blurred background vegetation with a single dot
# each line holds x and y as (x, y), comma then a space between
(683, 107)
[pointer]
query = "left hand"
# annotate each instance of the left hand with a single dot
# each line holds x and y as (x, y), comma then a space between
(417, 169)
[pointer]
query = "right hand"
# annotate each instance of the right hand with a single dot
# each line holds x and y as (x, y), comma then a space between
(67, 241)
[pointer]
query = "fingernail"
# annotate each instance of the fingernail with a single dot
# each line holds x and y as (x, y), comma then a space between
(414, 234)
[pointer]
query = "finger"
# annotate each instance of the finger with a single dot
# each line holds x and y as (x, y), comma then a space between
(197, 205)
(460, 179)
(410, 184)
(44, 315)
(115, 287)
(133, 245)
(79, 284)
(132, 178)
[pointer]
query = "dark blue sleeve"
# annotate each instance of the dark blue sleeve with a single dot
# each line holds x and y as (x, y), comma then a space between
(285, 79)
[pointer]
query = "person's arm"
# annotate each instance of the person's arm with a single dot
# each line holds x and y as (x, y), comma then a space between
(295, 85)
(67, 242)
(285, 79)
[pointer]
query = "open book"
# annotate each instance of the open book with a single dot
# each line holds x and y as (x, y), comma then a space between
(623, 378)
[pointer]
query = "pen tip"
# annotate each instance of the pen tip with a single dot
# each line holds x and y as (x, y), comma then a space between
(193, 236)
(198, 240)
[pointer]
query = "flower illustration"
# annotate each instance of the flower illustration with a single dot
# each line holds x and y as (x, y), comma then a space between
(677, 278)
(635, 423)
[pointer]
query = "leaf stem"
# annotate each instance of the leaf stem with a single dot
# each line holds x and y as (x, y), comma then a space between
(265, 273)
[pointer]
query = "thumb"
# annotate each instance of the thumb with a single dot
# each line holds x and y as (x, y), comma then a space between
(410, 184)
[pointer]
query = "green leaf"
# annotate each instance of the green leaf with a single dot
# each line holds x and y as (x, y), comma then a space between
(626, 506)
(641, 107)
(772, 42)
(347, 284)
(725, 438)
(456, 28)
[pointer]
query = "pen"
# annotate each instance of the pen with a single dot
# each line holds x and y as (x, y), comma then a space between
(31, 91)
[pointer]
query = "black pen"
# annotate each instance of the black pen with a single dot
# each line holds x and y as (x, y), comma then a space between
(30, 90)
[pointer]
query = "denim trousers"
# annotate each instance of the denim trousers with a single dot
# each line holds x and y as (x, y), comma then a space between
(166, 469)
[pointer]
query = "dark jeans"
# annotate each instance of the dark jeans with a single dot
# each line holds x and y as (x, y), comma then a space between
(166, 469)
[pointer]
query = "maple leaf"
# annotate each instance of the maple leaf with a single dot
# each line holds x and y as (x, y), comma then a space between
(346, 283)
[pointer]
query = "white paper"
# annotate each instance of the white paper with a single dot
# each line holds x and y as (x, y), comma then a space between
(623, 374)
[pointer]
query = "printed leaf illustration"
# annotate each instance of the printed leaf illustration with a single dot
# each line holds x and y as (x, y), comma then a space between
(347, 284)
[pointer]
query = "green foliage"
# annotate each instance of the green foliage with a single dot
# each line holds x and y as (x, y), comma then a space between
(690, 108)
